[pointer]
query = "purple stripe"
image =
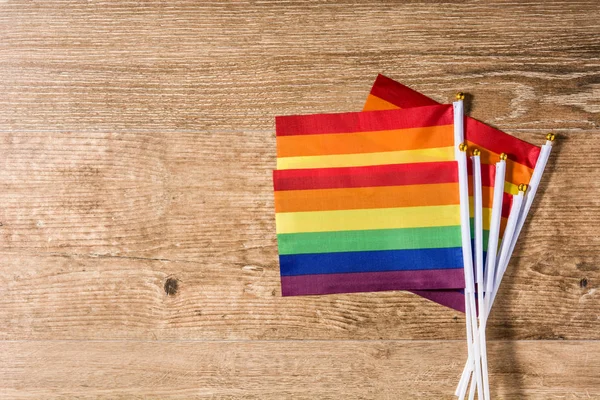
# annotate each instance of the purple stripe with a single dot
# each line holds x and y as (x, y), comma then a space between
(450, 298)
(372, 282)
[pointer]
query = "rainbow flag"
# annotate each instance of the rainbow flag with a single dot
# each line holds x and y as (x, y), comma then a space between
(387, 94)
(368, 202)
(373, 228)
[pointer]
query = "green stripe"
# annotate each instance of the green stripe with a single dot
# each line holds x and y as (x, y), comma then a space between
(369, 240)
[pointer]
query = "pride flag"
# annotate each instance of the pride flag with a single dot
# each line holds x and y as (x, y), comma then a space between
(368, 202)
(374, 228)
(387, 94)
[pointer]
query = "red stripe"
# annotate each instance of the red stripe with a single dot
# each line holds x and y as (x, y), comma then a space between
(475, 131)
(396, 93)
(506, 204)
(364, 121)
(499, 142)
(370, 176)
(488, 172)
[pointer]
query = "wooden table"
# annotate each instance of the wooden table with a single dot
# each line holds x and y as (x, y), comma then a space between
(138, 251)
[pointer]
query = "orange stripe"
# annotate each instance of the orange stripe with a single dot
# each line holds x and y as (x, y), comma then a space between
(370, 197)
(375, 103)
(503, 222)
(515, 173)
(366, 142)
(487, 196)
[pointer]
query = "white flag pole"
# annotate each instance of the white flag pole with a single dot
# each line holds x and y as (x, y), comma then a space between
(478, 257)
(461, 389)
(478, 207)
(492, 249)
(492, 286)
(470, 308)
(515, 211)
(533, 187)
(488, 281)
(511, 227)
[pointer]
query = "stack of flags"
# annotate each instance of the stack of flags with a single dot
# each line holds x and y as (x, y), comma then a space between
(408, 194)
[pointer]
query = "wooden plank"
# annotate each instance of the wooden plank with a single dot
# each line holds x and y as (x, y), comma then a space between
(222, 65)
(290, 369)
(82, 297)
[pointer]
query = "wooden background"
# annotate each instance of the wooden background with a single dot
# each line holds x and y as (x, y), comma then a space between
(137, 242)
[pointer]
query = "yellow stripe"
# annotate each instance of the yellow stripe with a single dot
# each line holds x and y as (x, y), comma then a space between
(358, 160)
(486, 215)
(378, 218)
(511, 188)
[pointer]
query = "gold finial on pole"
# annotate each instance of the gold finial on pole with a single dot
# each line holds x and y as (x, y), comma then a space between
(503, 156)
(476, 152)
(550, 137)
(523, 187)
(460, 96)
(462, 147)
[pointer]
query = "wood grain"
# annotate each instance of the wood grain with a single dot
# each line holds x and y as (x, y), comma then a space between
(136, 150)
(290, 369)
(83, 297)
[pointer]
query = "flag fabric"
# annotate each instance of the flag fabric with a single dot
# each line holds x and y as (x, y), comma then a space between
(387, 94)
(365, 138)
(368, 201)
(372, 228)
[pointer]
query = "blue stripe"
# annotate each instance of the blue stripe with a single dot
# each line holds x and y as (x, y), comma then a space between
(371, 261)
